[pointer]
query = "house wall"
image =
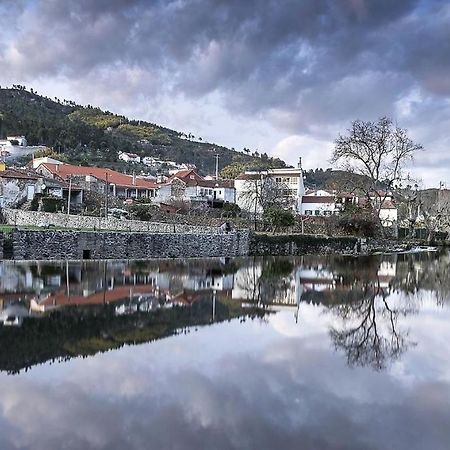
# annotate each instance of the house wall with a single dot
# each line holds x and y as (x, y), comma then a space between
(388, 217)
(243, 200)
(225, 194)
(320, 209)
(13, 190)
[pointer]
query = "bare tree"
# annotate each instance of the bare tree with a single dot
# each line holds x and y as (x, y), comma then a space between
(378, 151)
(262, 192)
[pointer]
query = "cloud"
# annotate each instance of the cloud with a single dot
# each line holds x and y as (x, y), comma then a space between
(300, 67)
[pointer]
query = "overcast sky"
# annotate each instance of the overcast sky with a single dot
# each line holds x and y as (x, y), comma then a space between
(281, 76)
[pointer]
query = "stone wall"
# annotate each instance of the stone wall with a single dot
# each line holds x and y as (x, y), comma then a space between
(29, 244)
(280, 245)
(19, 217)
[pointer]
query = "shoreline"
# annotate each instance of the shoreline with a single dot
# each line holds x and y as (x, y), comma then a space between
(45, 244)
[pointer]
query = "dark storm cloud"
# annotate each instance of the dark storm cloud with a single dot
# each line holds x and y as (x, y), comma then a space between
(310, 66)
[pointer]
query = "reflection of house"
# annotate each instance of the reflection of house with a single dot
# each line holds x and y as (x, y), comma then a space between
(97, 178)
(188, 186)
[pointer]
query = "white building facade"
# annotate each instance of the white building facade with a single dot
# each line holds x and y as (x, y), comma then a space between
(287, 184)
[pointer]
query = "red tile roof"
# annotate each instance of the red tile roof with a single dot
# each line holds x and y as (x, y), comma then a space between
(192, 178)
(64, 171)
(19, 173)
(317, 199)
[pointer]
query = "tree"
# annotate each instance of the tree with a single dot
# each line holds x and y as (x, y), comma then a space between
(379, 152)
(261, 192)
(278, 218)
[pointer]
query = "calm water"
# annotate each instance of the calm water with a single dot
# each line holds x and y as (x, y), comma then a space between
(286, 353)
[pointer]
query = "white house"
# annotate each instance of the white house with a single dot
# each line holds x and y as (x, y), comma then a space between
(318, 203)
(188, 186)
(44, 159)
(21, 140)
(287, 183)
(129, 157)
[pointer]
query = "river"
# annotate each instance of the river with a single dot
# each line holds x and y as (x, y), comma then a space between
(315, 352)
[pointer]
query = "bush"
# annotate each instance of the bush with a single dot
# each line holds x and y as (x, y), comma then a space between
(278, 218)
(51, 204)
(358, 221)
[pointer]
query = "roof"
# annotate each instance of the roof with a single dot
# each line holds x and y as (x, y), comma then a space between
(317, 199)
(19, 173)
(388, 204)
(249, 176)
(191, 178)
(64, 171)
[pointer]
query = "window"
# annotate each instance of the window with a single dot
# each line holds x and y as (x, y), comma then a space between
(278, 179)
(317, 212)
(308, 212)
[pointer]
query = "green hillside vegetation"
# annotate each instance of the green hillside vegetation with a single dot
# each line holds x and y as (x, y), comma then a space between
(90, 136)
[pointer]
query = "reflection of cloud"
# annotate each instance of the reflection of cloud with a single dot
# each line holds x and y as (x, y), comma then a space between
(235, 391)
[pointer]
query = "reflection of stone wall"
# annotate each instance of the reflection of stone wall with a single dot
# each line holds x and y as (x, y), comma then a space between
(99, 245)
(40, 219)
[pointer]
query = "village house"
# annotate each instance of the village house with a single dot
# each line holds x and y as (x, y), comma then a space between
(99, 179)
(388, 212)
(188, 186)
(17, 140)
(287, 184)
(129, 157)
(324, 203)
(22, 185)
(13, 140)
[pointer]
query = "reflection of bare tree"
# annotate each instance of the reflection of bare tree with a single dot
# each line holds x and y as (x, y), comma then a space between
(370, 335)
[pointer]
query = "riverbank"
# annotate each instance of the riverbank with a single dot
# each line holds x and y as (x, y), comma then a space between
(45, 244)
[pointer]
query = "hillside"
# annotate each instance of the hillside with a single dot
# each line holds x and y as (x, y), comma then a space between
(89, 136)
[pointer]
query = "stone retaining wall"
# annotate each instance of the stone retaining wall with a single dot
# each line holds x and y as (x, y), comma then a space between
(283, 245)
(19, 217)
(103, 245)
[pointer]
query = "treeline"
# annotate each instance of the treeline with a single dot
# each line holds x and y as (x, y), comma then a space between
(89, 136)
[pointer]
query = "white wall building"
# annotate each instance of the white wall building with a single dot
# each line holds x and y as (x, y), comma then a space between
(21, 140)
(188, 186)
(129, 157)
(288, 182)
(318, 203)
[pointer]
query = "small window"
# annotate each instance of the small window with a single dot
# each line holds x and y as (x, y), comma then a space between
(317, 212)
(86, 254)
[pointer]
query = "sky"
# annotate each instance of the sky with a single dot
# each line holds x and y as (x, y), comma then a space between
(282, 77)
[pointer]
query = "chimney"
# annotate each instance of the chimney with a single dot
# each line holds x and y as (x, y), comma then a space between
(134, 179)
(299, 165)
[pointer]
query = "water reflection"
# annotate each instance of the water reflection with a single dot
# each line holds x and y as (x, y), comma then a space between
(86, 307)
(300, 377)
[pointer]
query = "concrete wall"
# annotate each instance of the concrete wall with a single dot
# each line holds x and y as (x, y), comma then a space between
(99, 245)
(18, 217)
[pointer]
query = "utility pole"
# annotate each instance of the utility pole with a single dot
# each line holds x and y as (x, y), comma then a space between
(217, 166)
(106, 198)
(69, 195)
